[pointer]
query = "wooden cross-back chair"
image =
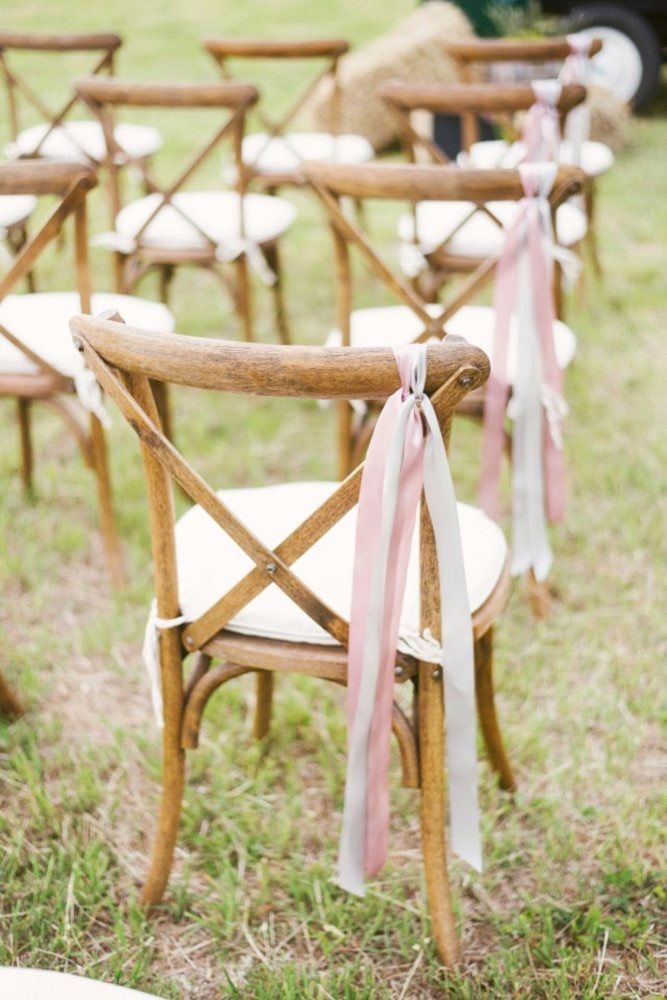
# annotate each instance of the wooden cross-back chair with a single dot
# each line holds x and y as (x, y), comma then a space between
(481, 55)
(470, 103)
(272, 158)
(305, 568)
(417, 318)
(172, 226)
(57, 136)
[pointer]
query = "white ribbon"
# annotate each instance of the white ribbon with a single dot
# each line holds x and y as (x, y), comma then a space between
(90, 396)
(151, 655)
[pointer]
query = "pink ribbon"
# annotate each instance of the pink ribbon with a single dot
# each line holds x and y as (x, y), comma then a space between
(406, 454)
(524, 290)
(541, 129)
(576, 66)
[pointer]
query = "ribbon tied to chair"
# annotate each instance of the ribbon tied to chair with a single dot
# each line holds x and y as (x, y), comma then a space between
(406, 454)
(524, 283)
(576, 69)
(541, 127)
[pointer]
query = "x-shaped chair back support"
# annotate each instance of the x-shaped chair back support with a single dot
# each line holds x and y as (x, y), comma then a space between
(103, 45)
(105, 96)
(469, 102)
(411, 184)
(70, 183)
(124, 359)
(328, 50)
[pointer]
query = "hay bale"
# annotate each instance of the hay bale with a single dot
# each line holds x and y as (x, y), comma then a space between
(412, 51)
(609, 117)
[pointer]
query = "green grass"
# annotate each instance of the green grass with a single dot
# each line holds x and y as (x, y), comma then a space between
(571, 903)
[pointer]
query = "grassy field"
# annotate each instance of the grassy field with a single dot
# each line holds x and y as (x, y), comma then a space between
(571, 902)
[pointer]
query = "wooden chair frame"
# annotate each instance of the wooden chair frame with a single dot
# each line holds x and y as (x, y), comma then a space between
(103, 97)
(330, 50)
(468, 56)
(105, 44)
(409, 184)
(468, 102)
(70, 182)
(124, 360)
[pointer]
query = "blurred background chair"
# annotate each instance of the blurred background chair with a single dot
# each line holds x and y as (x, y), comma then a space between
(38, 362)
(173, 226)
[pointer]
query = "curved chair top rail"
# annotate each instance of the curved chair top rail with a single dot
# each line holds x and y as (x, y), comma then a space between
(269, 370)
(416, 182)
(473, 98)
(43, 42)
(111, 90)
(483, 50)
(258, 48)
(44, 177)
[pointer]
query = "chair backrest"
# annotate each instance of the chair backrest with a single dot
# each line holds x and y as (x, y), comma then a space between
(485, 51)
(105, 96)
(411, 184)
(102, 45)
(70, 184)
(328, 50)
(469, 102)
(124, 359)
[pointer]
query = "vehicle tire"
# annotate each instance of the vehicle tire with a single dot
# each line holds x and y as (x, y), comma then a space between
(629, 64)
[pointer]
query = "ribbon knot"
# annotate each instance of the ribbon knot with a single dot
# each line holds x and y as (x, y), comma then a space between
(406, 454)
(524, 291)
(541, 129)
(576, 69)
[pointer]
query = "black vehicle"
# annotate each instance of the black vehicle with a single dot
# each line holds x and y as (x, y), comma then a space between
(634, 36)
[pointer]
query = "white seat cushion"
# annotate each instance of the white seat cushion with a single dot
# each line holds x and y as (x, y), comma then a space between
(277, 155)
(41, 322)
(217, 213)
(479, 236)
(596, 158)
(15, 208)
(41, 984)
(73, 140)
(209, 563)
(392, 326)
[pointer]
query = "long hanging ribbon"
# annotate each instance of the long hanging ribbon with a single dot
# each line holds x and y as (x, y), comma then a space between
(576, 69)
(406, 453)
(541, 128)
(524, 282)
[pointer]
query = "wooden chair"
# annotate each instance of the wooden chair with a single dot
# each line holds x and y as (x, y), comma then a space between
(171, 226)
(537, 56)
(417, 318)
(470, 103)
(56, 136)
(38, 363)
(272, 158)
(281, 608)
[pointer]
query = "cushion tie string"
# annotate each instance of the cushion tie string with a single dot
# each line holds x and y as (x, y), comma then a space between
(151, 655)
(406, 454)
(524, 289)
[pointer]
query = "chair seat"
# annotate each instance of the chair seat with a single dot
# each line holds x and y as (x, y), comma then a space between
(281, 154)
(596, 157)
(217, 213)
(392, 326)
(42, 984)
(15, 208)
(479, 236)
(209, 563)
(41, 322)
(79, 140)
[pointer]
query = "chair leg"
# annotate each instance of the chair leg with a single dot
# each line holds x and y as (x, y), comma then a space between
(591, 232)
(9, 703)
(107, 517)
(486, 710)
(163, 404)
(243, 298)
(24, 413)
(263, 704)
(539, 596)
(166, 277)
(432, 767)
(272, 256)
(171, 801)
